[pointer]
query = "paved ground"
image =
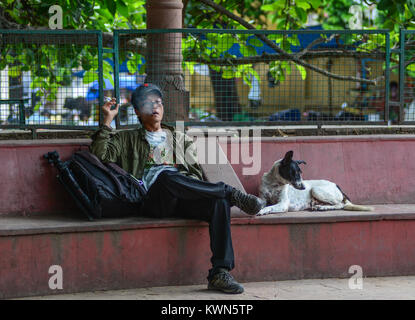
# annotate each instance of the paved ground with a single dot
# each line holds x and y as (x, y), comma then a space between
(394, 288)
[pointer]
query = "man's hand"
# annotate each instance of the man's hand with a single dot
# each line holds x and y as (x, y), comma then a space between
(109, 114)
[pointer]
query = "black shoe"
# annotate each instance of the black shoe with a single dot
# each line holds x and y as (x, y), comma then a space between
(223, 281)
(248, 203)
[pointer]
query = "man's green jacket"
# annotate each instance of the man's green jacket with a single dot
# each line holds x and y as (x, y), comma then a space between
(130, 150)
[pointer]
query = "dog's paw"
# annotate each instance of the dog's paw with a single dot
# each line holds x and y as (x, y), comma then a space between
(269, 210)
(264, 211)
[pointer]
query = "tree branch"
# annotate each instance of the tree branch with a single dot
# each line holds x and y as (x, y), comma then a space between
(6, 24)
(282, 52)
(267, 57)
(312, 44)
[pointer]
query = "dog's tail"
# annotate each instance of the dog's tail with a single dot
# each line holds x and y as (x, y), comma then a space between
(355, 207)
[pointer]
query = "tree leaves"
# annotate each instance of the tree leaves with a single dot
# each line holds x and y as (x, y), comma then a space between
(89, 76)
(122, 8)
(14, 71)
(411, 7)
(111, 6)
(255, 42)
(315, 3)
(225, 42)
(132, 66)
(302, 70)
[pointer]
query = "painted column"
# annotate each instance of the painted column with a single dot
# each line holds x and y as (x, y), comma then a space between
(164, 57)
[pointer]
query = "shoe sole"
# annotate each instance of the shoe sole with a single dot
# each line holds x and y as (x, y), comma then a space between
(229, 291)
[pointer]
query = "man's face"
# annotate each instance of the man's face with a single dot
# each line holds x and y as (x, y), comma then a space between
(152, 110)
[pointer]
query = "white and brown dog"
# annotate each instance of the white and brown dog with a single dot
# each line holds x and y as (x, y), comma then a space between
(284, 190)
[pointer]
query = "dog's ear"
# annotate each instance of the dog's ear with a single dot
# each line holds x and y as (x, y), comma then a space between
(287, 158)
(301, 162)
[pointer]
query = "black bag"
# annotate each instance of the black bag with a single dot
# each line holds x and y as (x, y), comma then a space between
(100, 190)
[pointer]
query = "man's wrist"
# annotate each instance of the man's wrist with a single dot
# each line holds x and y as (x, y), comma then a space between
(107, 123)
(106, 127)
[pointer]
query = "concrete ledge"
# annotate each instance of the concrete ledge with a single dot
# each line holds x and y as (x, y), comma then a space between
(133, 253)
(59, 223)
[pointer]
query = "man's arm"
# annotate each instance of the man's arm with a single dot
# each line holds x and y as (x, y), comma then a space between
(195, 170)
(106, 144)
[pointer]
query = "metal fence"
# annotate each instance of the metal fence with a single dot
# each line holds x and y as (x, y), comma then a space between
(58, 79)
(405, 95)
(40, 85)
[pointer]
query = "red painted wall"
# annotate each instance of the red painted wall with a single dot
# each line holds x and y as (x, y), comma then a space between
(28, 182)
(369, 169)
(180, 255)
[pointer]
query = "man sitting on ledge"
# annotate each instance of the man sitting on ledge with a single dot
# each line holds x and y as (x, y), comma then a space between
(166, 161)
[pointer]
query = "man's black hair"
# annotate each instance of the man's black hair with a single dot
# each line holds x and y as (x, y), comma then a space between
(140, 94)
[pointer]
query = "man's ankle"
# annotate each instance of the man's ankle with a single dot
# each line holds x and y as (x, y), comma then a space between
(248, 203)
(216, 270)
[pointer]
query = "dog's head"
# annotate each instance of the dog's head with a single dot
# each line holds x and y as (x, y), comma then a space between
(289, 169)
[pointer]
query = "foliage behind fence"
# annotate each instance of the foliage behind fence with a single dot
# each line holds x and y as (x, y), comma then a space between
(406, 99)
(58, 79)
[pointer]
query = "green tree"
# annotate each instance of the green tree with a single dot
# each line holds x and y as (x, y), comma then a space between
(51, 65)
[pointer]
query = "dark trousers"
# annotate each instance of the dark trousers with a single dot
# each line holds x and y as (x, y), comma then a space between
(174, 195)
